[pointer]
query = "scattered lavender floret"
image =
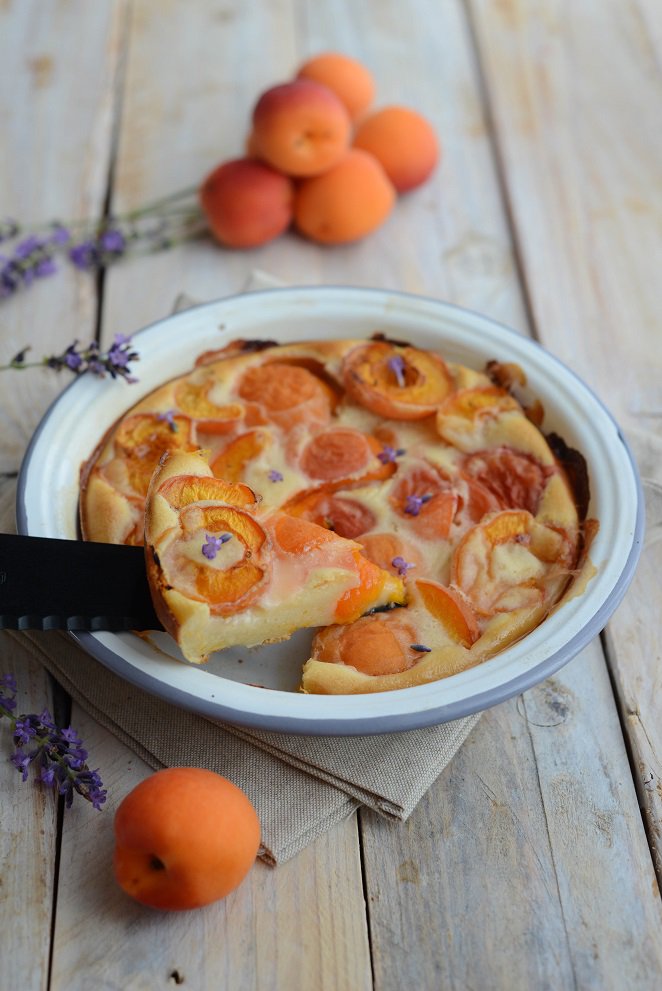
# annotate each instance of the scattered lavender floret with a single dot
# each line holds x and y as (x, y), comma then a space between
(92, 244)
(402, 566)
(275, 476)
(169, 417)
(213, 544)
(32, 259)
(388, 455)
(55, 753)
(413, 504)
(421, 648)
(99, 251)
(397, 366)
(8, 685)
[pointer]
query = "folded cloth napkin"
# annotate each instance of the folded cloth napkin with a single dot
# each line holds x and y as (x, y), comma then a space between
(300, 785)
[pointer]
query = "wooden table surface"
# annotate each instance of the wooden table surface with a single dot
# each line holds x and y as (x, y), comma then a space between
(531, 863)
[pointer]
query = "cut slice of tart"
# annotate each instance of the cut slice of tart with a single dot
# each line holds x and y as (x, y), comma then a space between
(225, 571)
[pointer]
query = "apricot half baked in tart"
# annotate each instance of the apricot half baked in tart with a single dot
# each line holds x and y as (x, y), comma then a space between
(407, 507)
(225, 569)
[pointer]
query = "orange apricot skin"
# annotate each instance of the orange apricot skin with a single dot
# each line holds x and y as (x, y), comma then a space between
(369, 380)
(451, 609)
(403, 141)
(246, 203)
(184, 837)
(348, 78)
(374, 645)
(300, 128)
(346, 203)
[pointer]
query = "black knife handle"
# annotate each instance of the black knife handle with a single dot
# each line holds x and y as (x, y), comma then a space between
(51, 584)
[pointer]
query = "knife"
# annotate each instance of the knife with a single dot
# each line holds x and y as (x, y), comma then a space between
(51, 584)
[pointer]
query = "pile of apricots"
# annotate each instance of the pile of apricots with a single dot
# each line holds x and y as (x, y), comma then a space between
(319, 159)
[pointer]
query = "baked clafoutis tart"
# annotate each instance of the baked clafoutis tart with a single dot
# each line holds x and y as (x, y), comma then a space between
(409, 509)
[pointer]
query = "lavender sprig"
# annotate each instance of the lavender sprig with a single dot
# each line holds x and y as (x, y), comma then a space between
(93, 245)
(56, 755)
(114, 362)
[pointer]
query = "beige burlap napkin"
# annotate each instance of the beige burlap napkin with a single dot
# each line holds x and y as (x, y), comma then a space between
(300, 786)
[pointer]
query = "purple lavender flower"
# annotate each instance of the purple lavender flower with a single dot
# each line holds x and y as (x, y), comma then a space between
(8, 689)
(32, 259)
(169, 417)
(275, 476)
(112, 241)
(116, 362)
(21, 762)
(57, 753)
(26, 248)
(47, 776)
(421, 648)
(44, 267)
(89, 784)
(84, 255)
(388, 455)
(402, 566)
(46, 720)
(72, 359)
(97, 252)
(98, 242)
(24, 730)
(397, 366)
(413, 504)
(213, 544)
(71, 736)
(60, 234)
(90, 359)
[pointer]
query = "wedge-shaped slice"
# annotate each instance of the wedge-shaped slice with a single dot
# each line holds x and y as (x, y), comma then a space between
(224, 572)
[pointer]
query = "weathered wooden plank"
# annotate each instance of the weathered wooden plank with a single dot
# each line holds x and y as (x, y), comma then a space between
(28, 822)
(575, 94)
(294, 927)
(58, 64)
(576, 97)
(192, 75)
(634, 649)
(28, 818)
(516, 828)
(502, 910)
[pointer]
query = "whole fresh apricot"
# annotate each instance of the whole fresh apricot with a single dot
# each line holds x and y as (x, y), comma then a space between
(246, 203)
(349, 80)
(345, 203)
(403, 141)
(184, 837)
(300, 128)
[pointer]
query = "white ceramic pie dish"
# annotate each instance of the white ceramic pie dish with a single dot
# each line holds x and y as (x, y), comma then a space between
(227, 688)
